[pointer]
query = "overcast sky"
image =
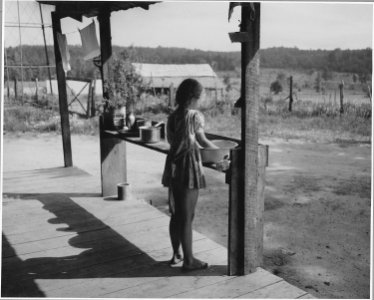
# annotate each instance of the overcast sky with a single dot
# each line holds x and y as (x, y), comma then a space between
(204, 25)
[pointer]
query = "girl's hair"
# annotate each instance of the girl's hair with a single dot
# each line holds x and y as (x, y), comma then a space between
(188, 89)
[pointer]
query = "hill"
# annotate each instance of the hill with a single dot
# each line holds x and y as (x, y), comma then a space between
(348, 61)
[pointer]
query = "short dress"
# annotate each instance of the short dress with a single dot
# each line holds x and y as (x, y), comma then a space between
(183, 166)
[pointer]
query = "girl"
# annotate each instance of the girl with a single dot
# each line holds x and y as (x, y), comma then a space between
(183, 173)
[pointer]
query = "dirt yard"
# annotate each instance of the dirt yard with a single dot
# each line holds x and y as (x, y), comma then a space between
(317, 204)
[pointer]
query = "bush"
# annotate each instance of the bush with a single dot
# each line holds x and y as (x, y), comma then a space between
(276, 87)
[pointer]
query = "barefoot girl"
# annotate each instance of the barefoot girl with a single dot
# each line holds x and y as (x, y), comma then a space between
(183, 172)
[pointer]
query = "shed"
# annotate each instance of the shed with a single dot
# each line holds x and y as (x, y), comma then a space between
(162, 77)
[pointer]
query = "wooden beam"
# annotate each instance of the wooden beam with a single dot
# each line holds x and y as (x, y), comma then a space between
(106, 50)
(113, 162)
(251, 73)
(62, 95)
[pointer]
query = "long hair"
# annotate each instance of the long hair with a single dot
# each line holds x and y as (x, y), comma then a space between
(187, 90)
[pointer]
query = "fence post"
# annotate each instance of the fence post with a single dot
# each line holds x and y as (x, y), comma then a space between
(369, 90)
(171, 95)
(88, 112)
(291, 96)
(341, 88)
(93, 109)
(15, 88)
(36, 89)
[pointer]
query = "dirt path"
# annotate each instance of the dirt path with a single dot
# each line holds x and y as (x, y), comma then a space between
(317, 204)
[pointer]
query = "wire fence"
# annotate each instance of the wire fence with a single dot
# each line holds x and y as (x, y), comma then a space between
(26, 24)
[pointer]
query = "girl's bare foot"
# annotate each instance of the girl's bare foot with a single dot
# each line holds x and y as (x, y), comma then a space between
(195, 265)
(177, 258)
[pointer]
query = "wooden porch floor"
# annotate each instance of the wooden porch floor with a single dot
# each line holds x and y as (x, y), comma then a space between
(62, 239)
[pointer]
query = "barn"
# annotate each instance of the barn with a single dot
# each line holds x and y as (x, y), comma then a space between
(162, 78)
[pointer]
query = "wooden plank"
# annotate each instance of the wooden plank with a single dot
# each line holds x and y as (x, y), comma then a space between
(279, 290)
(13, 225)
(130, 277)
(52, 242)
(307, 296)
(261, 182)
(167, 286)
(62, 95)
(234, 286)
(97, 231)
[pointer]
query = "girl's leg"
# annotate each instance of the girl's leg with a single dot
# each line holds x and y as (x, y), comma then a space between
(185, 212)
(175, 240)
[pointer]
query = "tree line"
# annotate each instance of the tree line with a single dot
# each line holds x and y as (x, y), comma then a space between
(349, 61)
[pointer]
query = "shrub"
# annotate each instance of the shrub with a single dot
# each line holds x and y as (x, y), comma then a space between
(276, 87)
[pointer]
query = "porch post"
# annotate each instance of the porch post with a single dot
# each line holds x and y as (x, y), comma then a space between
(112, 150)
(62, 95)
(251, 69)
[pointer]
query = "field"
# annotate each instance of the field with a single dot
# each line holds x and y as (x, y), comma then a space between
(318, 193)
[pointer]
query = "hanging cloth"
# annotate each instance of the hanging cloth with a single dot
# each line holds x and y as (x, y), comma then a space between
(90, 45)
(65, 55)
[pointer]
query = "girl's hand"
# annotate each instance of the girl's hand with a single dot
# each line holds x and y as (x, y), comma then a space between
(223, 165)
(203, 140)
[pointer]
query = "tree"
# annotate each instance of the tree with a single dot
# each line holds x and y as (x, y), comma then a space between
(276, 87)
(125, 85)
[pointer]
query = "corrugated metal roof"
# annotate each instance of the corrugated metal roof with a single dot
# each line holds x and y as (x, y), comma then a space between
(161, 70)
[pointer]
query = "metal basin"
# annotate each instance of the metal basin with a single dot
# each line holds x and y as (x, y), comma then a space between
(216, 155)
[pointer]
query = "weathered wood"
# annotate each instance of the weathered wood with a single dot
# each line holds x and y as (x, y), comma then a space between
(261, 182)
(106, 50)
(62, 95)
(279, 290)
(126, 258)
(236, 215)
(251, 67)
(236, 210)
(113, 162)
(234, 287)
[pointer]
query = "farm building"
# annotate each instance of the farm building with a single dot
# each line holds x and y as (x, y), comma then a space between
(162, 77)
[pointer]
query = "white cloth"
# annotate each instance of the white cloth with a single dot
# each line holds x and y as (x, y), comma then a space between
(90, 45)
(65, 55)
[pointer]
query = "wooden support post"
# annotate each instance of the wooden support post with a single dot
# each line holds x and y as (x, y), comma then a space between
(113, 162)
(341, 88)
(251, 68)
(106, 49)
(236, 210)
(62, 95)
(291, 95)
(236, 214)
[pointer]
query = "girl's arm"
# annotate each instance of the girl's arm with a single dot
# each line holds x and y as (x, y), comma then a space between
(203, 140)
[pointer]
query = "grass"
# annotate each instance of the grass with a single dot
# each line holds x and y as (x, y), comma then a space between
(313, 121)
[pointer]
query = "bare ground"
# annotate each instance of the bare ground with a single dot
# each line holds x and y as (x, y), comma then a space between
(317, 204)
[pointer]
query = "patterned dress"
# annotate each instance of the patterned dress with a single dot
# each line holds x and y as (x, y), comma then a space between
(183, 166)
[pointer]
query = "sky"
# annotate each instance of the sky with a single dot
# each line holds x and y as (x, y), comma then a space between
(204, 25)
